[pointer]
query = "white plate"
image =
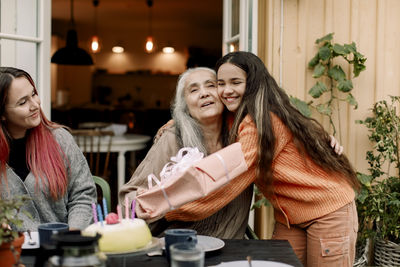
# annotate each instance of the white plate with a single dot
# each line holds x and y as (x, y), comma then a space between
(253, 264)
(208, 243)
(35, 238)
(153, 245)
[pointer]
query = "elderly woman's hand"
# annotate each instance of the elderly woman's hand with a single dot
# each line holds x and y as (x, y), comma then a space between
(336, 145)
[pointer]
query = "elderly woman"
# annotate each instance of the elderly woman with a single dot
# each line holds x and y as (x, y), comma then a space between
(40, 159)
(198, 122)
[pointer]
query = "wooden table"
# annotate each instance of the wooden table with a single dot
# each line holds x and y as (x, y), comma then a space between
(234, 250)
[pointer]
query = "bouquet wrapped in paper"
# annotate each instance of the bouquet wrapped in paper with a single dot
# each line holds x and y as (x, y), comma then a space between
(187, 178)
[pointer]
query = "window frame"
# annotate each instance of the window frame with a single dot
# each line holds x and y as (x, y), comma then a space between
(248, 18)
(42, 41)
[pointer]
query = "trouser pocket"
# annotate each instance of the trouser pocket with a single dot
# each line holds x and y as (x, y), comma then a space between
(335, 250)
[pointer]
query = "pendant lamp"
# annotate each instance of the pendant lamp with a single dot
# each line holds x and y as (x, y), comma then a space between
(71, 54)
(149, 46)
(95, 45)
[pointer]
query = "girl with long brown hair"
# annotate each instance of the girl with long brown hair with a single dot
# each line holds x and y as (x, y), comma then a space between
(311, 188)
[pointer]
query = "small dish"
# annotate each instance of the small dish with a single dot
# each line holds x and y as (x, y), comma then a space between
(253, 264)
(208, 243)
(35, 239)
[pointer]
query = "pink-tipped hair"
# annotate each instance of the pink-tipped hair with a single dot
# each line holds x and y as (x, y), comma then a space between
(45, 158)
(4, 152)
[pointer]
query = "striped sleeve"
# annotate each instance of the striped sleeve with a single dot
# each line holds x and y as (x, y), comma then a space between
(207, 206)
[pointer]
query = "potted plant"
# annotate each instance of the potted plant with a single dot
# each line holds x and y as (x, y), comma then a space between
(379, 198)
(11, 240)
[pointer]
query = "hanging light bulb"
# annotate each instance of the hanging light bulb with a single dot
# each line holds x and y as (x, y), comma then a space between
(149, 46)
(95, 45)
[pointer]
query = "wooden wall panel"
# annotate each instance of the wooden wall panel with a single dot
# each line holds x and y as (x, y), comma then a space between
(374, 25)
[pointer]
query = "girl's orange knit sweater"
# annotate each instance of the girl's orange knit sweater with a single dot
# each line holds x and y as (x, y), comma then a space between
(302, 190)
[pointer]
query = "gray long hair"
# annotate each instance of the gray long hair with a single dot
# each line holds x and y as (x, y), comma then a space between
(188, 130)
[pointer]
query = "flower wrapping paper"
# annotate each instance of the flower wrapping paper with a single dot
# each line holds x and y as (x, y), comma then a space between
(194, 182)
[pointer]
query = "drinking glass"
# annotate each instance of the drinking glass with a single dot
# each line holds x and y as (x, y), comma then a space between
(173, 236)
(186, 255)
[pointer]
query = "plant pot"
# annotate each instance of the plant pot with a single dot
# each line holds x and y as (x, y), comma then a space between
(362, 250)
(386, 253)
(8, 258)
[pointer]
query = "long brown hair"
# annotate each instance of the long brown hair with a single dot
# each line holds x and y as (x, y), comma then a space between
(262, 96)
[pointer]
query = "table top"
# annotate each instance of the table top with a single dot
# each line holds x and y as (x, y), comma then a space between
(123, 143)
(234, 250)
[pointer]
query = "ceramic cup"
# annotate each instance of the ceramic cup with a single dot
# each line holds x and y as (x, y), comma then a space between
(173, 236)
(46, 230)
(186, 254)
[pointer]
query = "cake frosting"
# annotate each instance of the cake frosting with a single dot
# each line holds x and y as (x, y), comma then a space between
(120, 236)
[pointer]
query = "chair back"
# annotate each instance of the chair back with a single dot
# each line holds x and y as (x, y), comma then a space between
(92, 142)
(250, 234)
(105, 190)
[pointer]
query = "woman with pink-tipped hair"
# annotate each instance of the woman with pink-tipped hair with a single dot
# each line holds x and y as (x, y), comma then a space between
(40, 159)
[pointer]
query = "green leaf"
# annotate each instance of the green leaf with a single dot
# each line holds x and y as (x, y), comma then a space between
(301, 106)
(318, 70)
(351, 47)
(345, 86)
(365, 179)
(318, 89)
(324, 53)
(340, 49)
(314, 61)
(337, 73)
(327, 37)
(324, 109)
(363, 195)
(358, 67)
(259, 203)
(352, 101)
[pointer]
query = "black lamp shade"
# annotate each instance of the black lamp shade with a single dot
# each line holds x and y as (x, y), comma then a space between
(71, 54)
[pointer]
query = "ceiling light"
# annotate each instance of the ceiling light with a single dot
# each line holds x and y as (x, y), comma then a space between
(95, 45)
(71, 54)
(149, 44)
(118, 49)
(168, 50)
(149, 40)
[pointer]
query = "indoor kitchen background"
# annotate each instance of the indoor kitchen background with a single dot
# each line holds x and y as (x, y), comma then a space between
(134, 81)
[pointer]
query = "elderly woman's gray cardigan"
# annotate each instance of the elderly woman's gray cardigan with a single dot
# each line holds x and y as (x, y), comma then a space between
(73, 208)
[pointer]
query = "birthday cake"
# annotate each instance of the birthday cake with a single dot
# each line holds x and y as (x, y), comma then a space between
(120, 235)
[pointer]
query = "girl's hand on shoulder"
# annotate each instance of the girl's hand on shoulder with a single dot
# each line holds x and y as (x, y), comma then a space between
(161, 131)
(336, 145)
